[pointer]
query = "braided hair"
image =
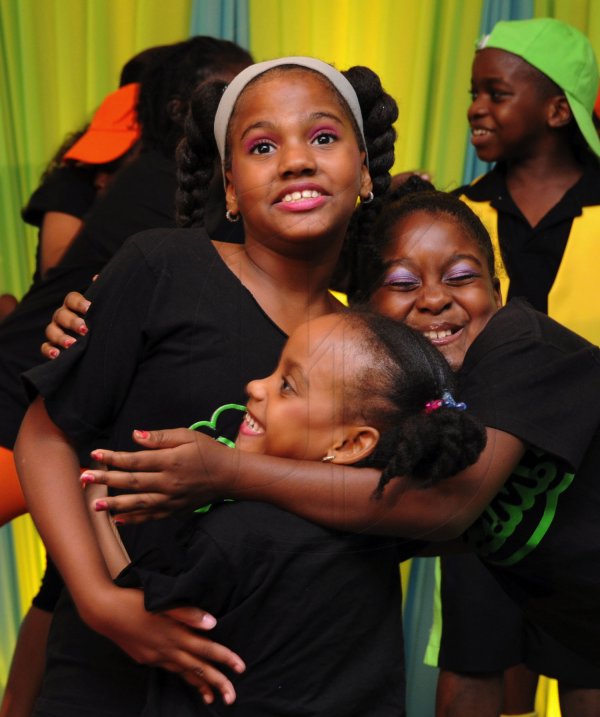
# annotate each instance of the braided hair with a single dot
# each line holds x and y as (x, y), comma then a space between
(198, 159)
(402, 373)
(414, 196)
(379, 111)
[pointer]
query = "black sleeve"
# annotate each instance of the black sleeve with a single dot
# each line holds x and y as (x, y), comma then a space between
(50, 589)
(529, 376)
(86, 385)
(69, 190)
(205, 576)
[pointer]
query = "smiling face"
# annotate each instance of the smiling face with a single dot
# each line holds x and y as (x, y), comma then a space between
(510, 109)
(436, 280)
(295, 166)
(299, 410)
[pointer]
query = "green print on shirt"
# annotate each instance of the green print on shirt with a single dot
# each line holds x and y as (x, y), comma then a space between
(522, 512)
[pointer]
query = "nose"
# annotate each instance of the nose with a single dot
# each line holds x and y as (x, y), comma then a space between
(256, 389)
(296, 159)
(477, 108)
(433, 299)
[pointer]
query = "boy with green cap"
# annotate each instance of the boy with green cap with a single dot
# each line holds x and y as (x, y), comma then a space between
(534, 84)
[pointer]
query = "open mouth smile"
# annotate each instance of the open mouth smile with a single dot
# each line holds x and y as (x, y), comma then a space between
(251, 427)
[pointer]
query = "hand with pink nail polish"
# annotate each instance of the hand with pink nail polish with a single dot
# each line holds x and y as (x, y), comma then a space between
(67, 323)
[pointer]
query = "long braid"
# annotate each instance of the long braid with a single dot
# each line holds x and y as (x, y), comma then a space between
(379, 111)
(197, 155)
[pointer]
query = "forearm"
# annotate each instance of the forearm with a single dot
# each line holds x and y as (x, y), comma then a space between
(49, 471)
(109, 540)
(342, 497)
(27, 666)
(185, 470)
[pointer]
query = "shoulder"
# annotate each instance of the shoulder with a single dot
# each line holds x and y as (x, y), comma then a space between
(519, 325)
(172, 245)
(260, 527)
(528, 375)
(482, 189)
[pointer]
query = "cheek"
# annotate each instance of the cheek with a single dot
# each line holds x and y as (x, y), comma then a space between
(390, 304)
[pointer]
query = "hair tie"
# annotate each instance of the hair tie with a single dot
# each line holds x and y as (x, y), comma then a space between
(447, 400)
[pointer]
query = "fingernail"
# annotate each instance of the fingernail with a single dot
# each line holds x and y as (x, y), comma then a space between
(54, 353)
(208, 621)
(118, 521)
(97, 456)
(67, 343)
(100, 505)
(141, 434)
(87, 304)
(83, 330)
(86, 478)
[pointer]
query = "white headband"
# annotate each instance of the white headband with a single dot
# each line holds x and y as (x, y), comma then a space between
(239, 82)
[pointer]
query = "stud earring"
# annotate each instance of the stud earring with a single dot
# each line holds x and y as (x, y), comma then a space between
(329, 458)
(233, 218)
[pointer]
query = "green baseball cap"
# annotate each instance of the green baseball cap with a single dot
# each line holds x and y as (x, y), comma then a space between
(561, 52)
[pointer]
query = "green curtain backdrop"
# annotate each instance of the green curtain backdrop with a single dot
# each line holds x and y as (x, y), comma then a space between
(58, 58)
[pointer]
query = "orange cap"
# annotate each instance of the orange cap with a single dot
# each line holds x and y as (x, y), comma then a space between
(113, 130)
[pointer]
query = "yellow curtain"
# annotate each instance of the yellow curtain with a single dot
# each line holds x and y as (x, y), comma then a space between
(421, 50)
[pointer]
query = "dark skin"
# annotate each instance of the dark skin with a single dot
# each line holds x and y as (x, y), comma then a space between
(286, 262)
(195, 470)
(518, 118)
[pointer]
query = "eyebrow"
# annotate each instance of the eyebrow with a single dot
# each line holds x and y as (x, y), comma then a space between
(312, 117)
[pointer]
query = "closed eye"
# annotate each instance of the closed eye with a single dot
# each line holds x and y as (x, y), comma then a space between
(461, 277)
(402, 280)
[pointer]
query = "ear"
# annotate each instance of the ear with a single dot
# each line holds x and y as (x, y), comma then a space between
(559, 113)
(357, 443)
(366, 183)
(176, 109)
(497, 292)
(231, 201)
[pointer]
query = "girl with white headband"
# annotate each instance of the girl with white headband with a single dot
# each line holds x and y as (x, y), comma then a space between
(179, 325)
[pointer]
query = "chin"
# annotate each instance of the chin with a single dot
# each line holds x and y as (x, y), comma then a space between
(454, 360)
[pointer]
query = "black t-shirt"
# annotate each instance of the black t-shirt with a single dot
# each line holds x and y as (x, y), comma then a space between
(68, 189)
(173, 334)
(141, 196)
(541, 533)
(316, 615)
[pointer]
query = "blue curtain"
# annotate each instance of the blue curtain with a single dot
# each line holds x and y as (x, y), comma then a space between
(227, 19)
(493, 11)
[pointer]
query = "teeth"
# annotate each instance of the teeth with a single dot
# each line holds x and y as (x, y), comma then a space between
(479, 132)
(437, 334)
(304, 194)
(252, 424)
